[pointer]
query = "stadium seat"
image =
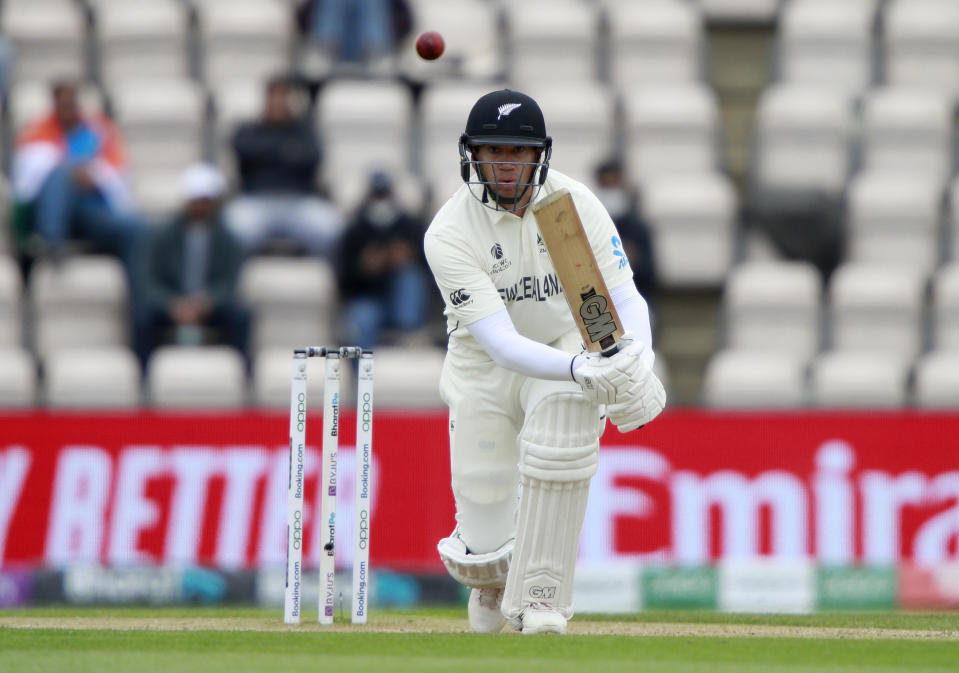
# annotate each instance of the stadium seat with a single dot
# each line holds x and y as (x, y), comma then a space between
(952, 230)
(292, 300)
(774, 306)
(552, 40)
(802, 139)
(920, 44)
(855, 378)
(937, 380)
(827, 43)
(364, 125)
(908, 130)
(878, 308)
(186, 377)
(142, 39)
(444, 107)
(894, 217)
(272, 368)
(407, 377)
(245, 39)
(580, 117)
(945, 307)
(18, 378)
(163, 122)
(157, 192)
(740, 11)
(471, 29)
(92, 378)
(11, 290)
(693, 222)
(742, 378)
(80, 303)
(654, 41)
(48, 36)
(671, 128)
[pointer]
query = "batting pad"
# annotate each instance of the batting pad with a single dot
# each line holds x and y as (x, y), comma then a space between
(475, 570)
(560, 452)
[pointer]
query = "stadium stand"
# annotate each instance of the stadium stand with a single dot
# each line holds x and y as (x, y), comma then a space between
(894, 217)
(877, 308)
(827, 44)
(774, 306)
(293, 301)
(49, 38)
(858, 379)
(750, 379)
(186, 377)
(671, 128)
(553, 40)
(141, 39)
(937, 380)
(408, 378)
(18, 378)
(813, 219)
(92, 378)
(11, 304)
(82, 302)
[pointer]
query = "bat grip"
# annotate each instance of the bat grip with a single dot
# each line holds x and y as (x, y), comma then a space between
(611, 351)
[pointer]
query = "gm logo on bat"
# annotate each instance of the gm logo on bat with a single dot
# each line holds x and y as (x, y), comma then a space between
(459, 297)
(598, 320)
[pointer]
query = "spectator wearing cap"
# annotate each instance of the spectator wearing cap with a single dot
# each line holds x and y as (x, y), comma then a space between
(382, 270)
(190, 272)
(277, 158)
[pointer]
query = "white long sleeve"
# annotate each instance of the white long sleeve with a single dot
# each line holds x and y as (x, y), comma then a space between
(511, 350)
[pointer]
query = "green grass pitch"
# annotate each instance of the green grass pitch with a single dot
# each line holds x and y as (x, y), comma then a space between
(241, 640)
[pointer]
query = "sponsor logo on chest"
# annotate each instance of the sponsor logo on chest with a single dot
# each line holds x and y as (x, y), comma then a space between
(500, 264)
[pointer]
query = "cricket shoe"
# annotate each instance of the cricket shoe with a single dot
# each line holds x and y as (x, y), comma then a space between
(484, 610)
(542, 618)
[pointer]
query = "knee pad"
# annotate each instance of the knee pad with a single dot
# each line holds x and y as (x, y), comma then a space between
(560, 439)
(475, 570)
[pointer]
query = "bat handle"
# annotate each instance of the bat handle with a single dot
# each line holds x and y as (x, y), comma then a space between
(610, 352)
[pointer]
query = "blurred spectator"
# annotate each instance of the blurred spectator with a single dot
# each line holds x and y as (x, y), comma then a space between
(7, 57)
(382, 271)
(357, 31)
(68, 181)
(190, 273)
(277, 159)
(620, 201)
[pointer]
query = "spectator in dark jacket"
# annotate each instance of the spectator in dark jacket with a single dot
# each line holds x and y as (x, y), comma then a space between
(382, 270)
(277, 160)
(190, 272)
(620, 201)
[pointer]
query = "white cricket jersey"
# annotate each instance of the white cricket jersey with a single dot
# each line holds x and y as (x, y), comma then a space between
(484, 260)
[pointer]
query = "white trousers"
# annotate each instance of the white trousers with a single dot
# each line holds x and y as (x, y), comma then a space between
(488, 405)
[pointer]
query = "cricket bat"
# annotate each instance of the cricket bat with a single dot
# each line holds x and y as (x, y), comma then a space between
(586, 292)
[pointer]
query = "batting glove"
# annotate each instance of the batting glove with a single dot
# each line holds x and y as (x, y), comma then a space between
(606, 380)
(635, 411)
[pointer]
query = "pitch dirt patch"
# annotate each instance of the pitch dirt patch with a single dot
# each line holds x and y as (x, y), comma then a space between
(398, 624)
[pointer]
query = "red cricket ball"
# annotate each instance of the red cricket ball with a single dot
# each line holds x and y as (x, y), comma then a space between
(430, 45)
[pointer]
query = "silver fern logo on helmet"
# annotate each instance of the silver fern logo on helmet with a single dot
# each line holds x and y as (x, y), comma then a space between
(505, 109)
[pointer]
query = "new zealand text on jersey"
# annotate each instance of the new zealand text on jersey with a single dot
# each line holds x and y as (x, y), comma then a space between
(539, 288)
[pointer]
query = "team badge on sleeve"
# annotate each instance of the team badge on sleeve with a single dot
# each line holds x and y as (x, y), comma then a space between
(460, 297)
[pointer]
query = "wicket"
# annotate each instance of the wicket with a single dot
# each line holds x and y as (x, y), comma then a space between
(328, 482)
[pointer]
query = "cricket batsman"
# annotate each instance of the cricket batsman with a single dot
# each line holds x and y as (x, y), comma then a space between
(527, 404)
